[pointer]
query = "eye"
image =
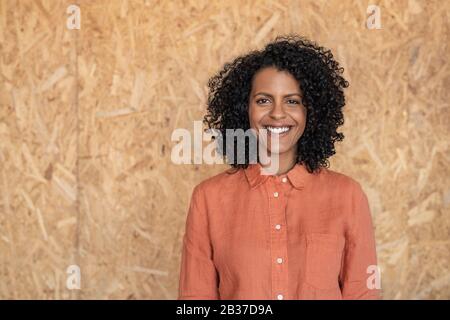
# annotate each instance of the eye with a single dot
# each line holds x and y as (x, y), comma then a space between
(262, 100)
(292, 101)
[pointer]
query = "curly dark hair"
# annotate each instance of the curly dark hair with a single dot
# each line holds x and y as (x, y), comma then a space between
(321, 84)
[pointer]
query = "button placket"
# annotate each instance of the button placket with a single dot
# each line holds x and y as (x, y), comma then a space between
(278, 238)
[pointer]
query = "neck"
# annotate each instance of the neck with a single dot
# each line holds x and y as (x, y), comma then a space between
(286, 161)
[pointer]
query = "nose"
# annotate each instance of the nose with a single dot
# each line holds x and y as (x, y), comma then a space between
(277, 111)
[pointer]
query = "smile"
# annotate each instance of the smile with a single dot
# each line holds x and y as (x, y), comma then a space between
(278, 130)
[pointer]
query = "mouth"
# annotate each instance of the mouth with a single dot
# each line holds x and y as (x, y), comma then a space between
(278, 130)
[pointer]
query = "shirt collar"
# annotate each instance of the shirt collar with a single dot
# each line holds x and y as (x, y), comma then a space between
(298, 175)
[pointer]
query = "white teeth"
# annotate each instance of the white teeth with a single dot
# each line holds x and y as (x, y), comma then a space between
(278, 130)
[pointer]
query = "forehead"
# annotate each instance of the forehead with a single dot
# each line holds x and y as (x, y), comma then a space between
(272, 79)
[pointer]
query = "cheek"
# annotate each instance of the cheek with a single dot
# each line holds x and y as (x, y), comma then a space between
(300, 118)
(254, 116)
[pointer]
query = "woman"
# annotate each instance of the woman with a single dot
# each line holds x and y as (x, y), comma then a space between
(304, 232)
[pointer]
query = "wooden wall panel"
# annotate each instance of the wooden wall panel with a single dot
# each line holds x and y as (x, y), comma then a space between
(86, 118)
(38, 151)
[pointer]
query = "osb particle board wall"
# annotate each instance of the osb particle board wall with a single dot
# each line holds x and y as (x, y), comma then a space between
(86, 118)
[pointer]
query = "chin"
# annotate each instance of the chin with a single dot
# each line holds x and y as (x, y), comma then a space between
(281, 151)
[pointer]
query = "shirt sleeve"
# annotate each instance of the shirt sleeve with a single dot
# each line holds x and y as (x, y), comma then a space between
(198, 275)
(360, 277)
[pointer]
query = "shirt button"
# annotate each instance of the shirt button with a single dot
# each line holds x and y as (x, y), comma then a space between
(284, 179)
(280, 297)
(275, 194)
(278, 227)
(279, 260)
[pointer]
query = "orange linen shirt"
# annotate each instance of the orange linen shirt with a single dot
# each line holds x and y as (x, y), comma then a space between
(293, 236)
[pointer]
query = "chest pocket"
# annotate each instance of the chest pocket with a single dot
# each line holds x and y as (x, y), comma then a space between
(323, 259)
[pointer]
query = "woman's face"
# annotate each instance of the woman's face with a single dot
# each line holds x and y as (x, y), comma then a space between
(275, 105)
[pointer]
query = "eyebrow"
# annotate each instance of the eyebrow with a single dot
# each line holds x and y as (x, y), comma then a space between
(268, 94)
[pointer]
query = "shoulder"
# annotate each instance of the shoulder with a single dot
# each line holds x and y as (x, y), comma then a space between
(340, 181)
(349, 193)
(226, 179)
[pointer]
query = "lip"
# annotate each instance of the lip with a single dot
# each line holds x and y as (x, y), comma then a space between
(278, 134)
(277, 125)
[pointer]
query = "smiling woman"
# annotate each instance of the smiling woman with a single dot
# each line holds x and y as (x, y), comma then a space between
(304, 232)
(267, 78)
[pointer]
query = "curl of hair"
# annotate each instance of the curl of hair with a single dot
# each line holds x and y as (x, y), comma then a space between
(321, 83)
